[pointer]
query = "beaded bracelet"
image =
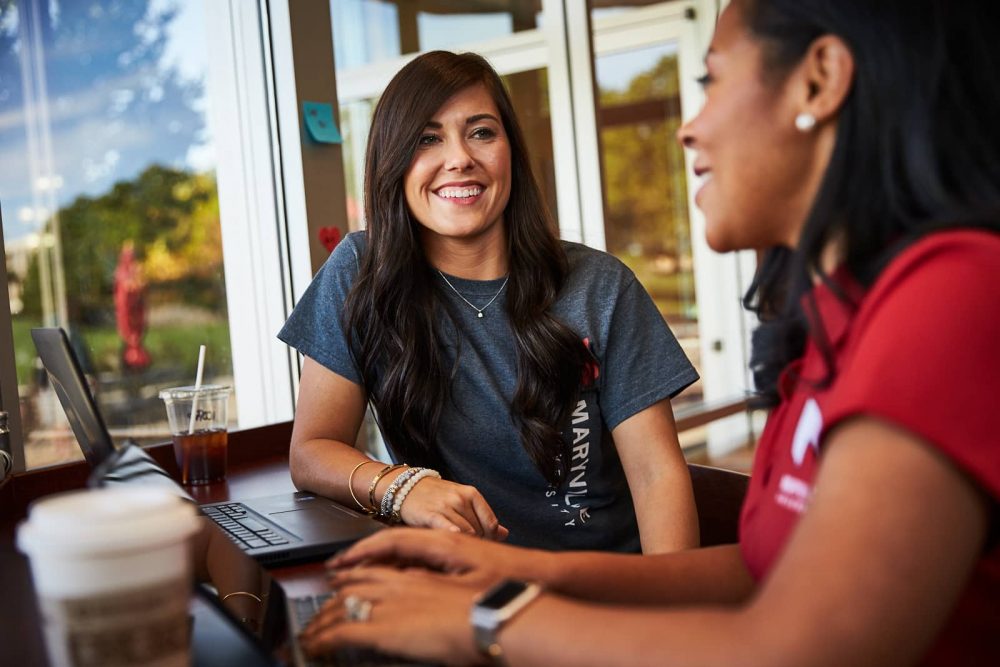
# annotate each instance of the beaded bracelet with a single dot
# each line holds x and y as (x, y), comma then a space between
(350, 487)
(386, 507)
(397, 504)
(379, 475)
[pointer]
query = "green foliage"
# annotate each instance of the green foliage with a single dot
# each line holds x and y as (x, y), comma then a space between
(31, 297)
(171, 217)
(645, 183)
(24, 348)
(646, 212)
(174, 350)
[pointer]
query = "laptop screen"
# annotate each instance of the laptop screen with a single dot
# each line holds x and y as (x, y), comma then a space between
(71, 387)
(233, 583)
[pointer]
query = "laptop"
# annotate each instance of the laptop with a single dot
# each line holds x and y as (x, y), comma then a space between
(241, 615)
(275, 530)
(261, 624)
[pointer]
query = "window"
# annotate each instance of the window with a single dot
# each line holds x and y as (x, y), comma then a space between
(646, 56)
(646, 218)
(124, 210)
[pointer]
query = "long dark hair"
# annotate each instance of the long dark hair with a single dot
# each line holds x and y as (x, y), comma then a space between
(394, 308)
(917, 147)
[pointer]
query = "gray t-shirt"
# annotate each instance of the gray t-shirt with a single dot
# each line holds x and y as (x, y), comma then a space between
(638, 362)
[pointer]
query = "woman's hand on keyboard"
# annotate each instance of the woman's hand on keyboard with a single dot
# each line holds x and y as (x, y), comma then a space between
(418, 614)
(458, 508)
(476, 561)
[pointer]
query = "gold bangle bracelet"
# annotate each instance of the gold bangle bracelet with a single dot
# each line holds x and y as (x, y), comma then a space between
(249, 595)
(350, 487)
(379, 475)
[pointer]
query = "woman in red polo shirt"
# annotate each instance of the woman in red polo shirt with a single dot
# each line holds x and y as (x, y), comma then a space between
(856, 143)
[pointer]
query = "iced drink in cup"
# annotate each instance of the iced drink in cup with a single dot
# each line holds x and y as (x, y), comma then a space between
(112, 573)
(197, 417)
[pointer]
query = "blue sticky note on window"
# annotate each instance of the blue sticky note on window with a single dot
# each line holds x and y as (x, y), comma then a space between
(319, 121)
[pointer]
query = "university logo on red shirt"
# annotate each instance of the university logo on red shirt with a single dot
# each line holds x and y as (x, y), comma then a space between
(794, 492)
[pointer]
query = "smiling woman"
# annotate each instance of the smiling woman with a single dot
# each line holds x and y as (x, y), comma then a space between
(491, 350)
(458, 182)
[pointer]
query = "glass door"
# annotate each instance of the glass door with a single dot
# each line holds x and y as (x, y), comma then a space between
(641, 56)
(646, 58)
(646, 218)
(111, 212)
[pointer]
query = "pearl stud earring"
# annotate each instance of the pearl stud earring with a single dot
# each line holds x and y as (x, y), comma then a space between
(805, 121)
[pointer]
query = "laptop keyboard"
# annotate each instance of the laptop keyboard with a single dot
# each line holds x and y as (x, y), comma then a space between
(305, 608)
(241, 528)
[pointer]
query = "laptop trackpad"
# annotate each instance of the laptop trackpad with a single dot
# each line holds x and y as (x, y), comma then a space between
(323, 522)
(313, 518)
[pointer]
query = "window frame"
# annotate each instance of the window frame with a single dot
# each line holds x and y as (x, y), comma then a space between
(253, 198)
(261, 187)
(9, 397)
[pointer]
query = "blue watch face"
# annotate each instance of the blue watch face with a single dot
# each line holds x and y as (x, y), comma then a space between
(501, 594)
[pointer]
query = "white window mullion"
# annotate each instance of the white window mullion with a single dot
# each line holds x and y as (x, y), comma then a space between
(588, 149)
(289, 132)
(564, 148)
(254, 266)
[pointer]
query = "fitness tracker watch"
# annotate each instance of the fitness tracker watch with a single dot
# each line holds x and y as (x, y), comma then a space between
(494, 608)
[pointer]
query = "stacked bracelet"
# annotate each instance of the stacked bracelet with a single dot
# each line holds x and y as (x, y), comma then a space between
(379, 475)
(386, 507)
(350, 487)
(392, 500)
(400, 496)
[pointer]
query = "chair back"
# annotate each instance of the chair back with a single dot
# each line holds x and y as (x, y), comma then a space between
(718, 494)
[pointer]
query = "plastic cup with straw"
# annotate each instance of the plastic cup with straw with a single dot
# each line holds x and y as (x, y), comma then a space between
(197, 416)
(197, 387)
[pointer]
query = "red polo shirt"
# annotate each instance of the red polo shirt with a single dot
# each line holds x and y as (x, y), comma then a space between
(920, 350)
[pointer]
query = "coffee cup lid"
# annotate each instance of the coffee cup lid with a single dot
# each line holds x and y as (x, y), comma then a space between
(105, 521)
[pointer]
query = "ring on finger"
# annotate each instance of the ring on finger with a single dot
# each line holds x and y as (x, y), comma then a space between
(357, 610)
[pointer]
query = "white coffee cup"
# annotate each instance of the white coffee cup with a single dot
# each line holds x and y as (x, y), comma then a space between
(111, 569)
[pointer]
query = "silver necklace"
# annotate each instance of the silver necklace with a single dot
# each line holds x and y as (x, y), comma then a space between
(479, 311)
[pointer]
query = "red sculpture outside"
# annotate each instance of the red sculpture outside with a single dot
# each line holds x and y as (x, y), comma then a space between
(130, 309)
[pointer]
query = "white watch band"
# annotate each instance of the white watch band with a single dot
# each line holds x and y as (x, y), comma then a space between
(487, 619)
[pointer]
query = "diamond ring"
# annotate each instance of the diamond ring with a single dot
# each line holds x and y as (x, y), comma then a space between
(357, 609)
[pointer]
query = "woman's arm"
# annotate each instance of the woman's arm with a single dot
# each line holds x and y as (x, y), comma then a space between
(717, 574)
(327, 418)
(869, 577)
(658, 479)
